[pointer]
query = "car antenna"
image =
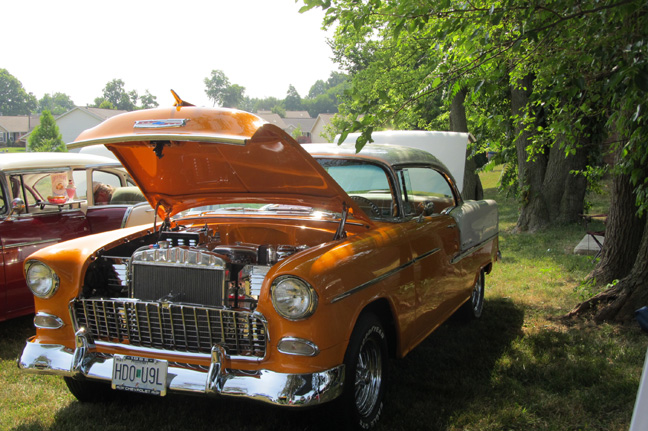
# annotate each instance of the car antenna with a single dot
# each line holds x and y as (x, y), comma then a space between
(179, 101)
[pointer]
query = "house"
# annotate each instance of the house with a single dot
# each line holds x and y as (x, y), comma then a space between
(318, 130)
(14, 128)
(75, 121)
(293, 120)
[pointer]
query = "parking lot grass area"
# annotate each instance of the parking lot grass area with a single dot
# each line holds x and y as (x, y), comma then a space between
(520, 367)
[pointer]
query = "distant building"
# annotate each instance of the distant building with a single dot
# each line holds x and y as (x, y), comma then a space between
(311, 128)
(76, 120)
(13, 129)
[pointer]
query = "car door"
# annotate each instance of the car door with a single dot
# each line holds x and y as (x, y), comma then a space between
(440, 284)
(39, 225)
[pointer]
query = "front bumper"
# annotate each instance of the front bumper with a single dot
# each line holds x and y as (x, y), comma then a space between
(262, 385)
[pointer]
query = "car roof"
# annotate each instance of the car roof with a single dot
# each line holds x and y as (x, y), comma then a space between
(391, 155)
(37, 160)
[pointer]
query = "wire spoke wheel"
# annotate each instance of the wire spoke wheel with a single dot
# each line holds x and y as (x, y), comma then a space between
(366, 363)
(368, 379)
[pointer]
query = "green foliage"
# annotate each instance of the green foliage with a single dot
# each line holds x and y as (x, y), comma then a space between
(587, 60)
(148, 100)
(46, 136)
(115, 94)
(221, 92)
(57, 103)
(293, 101)
(14, 100)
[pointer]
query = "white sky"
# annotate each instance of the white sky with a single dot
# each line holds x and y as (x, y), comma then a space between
(77, 46)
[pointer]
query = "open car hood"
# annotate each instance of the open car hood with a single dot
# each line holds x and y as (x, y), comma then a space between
(186, 157)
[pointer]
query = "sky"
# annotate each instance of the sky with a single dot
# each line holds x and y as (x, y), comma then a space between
(77, 47)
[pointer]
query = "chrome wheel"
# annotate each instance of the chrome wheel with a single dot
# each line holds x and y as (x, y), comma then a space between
(366, 367)
(477, 299)
(368, 378)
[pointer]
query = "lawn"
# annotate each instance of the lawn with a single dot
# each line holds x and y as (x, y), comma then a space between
(520, 367)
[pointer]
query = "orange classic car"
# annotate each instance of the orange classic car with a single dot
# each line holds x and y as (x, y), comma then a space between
(276, 272)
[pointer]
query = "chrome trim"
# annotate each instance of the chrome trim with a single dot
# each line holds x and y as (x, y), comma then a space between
(382, 277)
(178, 137)
(157, 352)
(309, 343)
(27, 244)
(58, 320)
(473, 249)
(127, 214)
(160, 124)
(282, 389)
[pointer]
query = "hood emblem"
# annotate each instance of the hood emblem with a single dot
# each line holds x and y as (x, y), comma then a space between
(160, 124)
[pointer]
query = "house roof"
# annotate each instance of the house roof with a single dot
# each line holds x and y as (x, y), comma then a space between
(272, 118)
(306, 124)
(99, 113)
(18, 124)
(297, 114)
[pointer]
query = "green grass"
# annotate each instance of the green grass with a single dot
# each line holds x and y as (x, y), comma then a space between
(520, 367)
(12, 150)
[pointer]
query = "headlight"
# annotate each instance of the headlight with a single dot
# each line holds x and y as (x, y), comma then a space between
(41, 280)
(293, 298)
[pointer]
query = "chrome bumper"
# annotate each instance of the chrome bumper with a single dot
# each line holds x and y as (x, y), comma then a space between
(262, 385)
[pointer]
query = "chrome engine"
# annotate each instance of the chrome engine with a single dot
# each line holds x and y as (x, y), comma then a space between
(191, 266)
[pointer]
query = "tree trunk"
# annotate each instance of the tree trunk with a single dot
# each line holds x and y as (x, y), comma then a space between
(619, 302)
(534, 214)
(563, 191)
(623, 234)
(472, 187)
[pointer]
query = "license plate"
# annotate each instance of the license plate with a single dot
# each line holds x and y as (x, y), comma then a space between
(143, 375)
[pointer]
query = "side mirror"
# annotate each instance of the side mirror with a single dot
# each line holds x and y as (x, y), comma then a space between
(428, 208)
(17, 207)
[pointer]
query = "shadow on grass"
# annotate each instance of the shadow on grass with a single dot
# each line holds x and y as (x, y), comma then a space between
(13, 335)
(426, 388)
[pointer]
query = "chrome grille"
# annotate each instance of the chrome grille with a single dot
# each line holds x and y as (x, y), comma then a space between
(176, 327)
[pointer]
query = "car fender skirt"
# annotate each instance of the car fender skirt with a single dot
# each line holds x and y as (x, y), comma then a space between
(291, 390)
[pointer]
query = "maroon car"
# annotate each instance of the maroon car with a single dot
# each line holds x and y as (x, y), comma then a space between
(46, 198)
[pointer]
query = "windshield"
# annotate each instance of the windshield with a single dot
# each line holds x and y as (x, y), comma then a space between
(366, 183)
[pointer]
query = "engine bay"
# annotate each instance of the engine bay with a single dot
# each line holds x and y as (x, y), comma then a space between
(191, 266)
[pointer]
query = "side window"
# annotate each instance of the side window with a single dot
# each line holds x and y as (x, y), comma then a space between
(80, 181)
(425, 190)
(104, 185)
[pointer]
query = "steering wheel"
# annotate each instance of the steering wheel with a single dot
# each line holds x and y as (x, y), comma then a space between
(367, 203)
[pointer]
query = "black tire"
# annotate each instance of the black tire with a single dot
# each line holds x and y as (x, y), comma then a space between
(87, 391)
(474, 307)
(366, 362)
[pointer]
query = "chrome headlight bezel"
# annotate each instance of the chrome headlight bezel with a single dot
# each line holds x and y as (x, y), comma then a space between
(293, 298)
(41, 279)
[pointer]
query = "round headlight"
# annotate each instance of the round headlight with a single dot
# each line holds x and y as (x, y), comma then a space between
(293, 298)
(41, 280)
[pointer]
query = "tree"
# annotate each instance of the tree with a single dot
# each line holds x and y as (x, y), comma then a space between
(222, 92)
(57, 103)
(148, 100)
(115, 94)
(293, 100)
(567, 85)
(14, 100)
(46, 136)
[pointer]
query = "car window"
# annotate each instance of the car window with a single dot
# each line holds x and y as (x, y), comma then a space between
(424, 186)
(80, 181)
(366, 183)
(35, 188)
(104, 185)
